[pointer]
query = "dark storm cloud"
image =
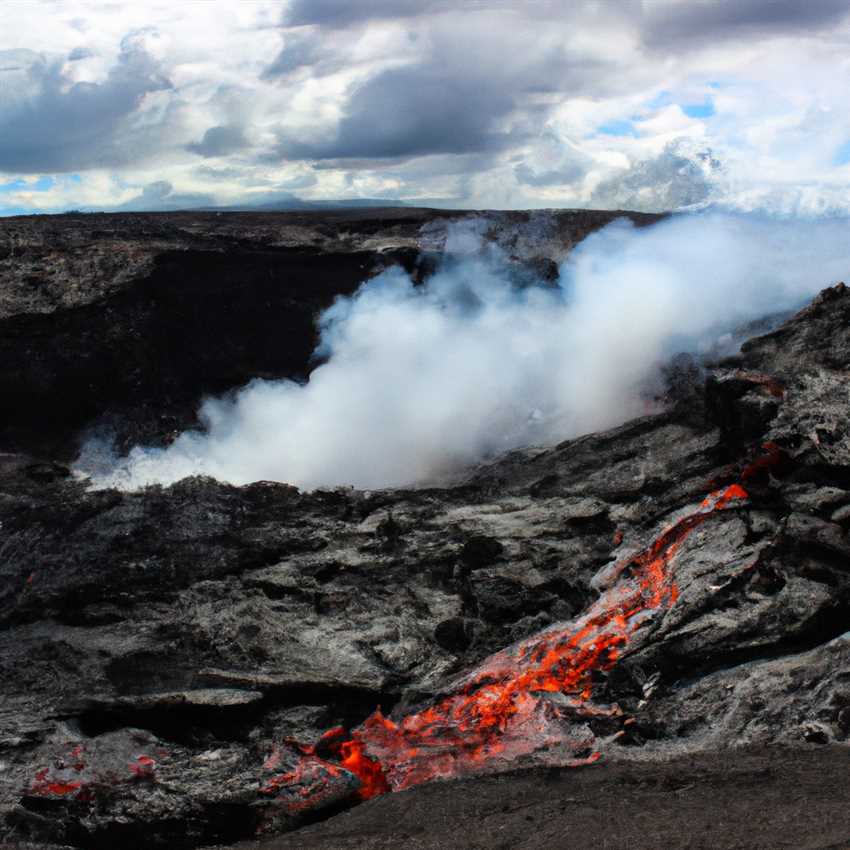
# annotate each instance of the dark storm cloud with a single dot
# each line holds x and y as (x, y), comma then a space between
(709, 20)
(48, 125)
(481, 80)
(342, 13)
(296, 53)
(413, 111)
(220, 141)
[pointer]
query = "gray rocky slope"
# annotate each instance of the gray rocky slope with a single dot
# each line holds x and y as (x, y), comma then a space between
(170, 658)
(136, 317)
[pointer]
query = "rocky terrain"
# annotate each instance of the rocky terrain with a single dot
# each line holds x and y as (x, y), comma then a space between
(138, 316)
(668, 602)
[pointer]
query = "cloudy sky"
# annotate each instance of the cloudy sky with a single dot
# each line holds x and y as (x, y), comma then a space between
(660, 104)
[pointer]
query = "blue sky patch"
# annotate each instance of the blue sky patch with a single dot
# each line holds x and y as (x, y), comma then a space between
(842, 155)
(618, 127)
(41, 185)
(14, 211)
(699, 110)
(13, 185)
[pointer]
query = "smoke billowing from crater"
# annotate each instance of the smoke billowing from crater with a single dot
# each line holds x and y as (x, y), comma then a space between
(419, 380)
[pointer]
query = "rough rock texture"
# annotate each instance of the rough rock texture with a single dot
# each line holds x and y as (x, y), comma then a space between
(139, 316)
(161, 651)
(751, 799)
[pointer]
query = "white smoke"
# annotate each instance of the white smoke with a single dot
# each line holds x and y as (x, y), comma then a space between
(421, 379)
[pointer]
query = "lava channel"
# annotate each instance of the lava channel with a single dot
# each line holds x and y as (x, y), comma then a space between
(533, 697)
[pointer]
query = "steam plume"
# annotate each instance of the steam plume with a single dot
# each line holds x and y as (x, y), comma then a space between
(421, 379)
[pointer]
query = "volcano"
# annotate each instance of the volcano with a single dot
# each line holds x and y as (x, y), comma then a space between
(619, 638)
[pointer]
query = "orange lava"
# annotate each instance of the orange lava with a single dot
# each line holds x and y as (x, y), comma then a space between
(43, 787)
(143, 767)
(70, 775)
(534, 697)
(774, 455)
(366, 769)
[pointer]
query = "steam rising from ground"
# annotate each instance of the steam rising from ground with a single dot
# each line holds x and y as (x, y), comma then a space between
(422, 379)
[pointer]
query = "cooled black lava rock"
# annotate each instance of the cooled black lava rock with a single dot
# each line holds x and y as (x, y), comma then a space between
(454, 634)
(479, 551)
(128, 321)
(168, 655)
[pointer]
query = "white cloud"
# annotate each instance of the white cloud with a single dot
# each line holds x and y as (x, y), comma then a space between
(498, 102)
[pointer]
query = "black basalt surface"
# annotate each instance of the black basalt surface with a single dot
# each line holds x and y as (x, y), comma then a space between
(158, 649)
(133, 319)
(200, 322)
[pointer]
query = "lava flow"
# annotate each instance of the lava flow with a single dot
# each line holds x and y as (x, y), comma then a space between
(534, 697)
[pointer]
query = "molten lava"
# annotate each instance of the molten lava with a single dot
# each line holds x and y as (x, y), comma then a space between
(72, 775)
(534, 697)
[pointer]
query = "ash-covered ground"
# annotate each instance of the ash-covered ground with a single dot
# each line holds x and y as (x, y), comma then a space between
(175, 660)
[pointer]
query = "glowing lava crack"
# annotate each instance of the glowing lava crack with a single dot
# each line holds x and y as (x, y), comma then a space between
(534, 697)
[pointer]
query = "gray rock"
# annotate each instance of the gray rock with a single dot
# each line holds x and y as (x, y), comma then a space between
(177, 662)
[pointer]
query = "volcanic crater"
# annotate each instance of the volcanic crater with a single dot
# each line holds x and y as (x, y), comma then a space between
(636, 638)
